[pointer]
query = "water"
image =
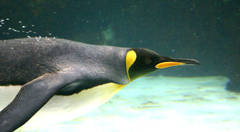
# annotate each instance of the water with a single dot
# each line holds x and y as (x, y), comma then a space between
(181, 98)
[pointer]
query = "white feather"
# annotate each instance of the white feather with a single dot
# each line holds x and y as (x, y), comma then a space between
(64, 108)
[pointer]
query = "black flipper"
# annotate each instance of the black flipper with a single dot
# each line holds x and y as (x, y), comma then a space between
(32, 97)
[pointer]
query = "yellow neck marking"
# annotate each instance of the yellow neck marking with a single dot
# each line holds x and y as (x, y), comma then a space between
(130, 59)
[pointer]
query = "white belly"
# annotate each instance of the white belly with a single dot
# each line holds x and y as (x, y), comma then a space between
(64, 108)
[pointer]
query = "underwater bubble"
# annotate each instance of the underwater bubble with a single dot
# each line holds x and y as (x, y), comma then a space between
(38, 38)
(21, 27)
(14, 30)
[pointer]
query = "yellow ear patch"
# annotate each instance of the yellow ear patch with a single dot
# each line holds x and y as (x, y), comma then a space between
(130, 59)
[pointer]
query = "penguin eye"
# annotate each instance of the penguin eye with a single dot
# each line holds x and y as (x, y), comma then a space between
(148, 61)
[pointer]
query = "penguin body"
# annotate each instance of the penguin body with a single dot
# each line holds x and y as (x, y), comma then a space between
(71, 78)
(23, 60)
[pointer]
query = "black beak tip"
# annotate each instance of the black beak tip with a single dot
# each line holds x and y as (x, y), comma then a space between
(193, 62)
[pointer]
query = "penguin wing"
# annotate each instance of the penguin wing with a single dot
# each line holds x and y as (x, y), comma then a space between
(32, 97)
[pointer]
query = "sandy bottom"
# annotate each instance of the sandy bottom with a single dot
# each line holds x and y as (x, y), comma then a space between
(161, 104)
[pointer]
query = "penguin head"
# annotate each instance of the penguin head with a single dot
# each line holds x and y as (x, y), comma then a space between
(140, 61)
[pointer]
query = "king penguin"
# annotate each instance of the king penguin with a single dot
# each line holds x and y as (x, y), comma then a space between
(61, 79)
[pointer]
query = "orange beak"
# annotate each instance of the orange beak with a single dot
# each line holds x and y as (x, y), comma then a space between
(168, 64)
(176, 62)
